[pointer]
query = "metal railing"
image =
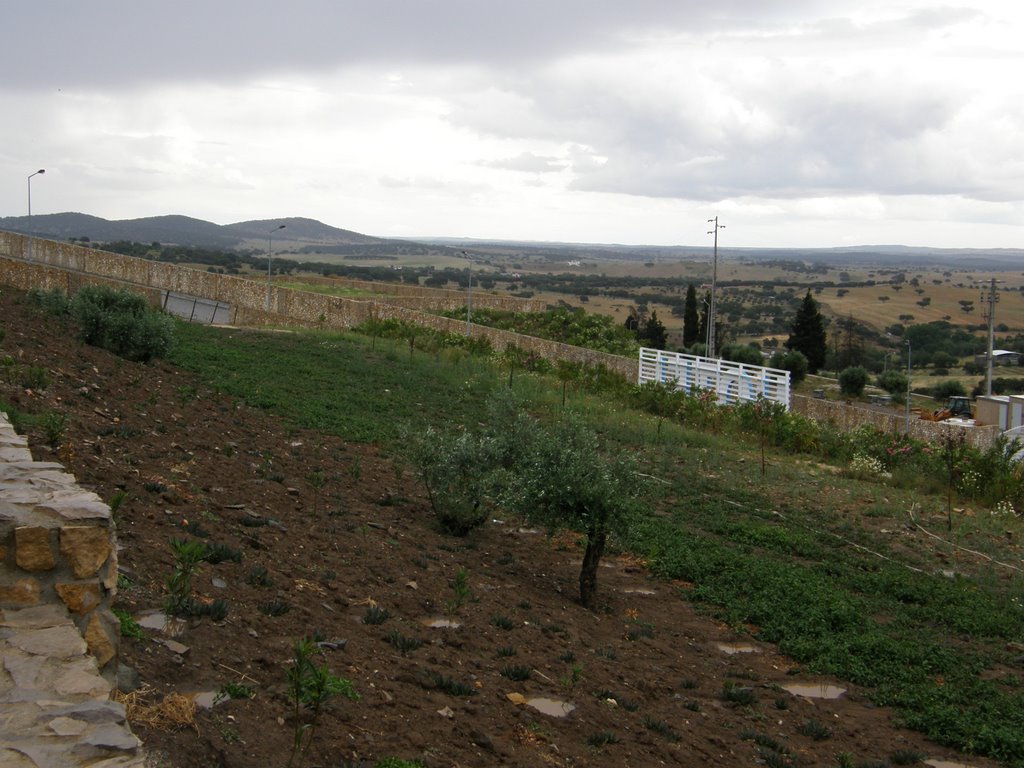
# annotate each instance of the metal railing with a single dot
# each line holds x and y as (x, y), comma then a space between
(731, 382)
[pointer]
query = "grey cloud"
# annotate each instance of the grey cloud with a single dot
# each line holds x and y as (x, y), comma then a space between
(67, 43)
(528, 162)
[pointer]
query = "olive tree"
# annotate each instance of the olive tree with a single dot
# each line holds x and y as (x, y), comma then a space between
(560, 478)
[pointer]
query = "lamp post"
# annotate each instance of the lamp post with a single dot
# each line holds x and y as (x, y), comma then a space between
(714, 283)
(469, 295)
(908, 387)
(270, 258)
(37, 173)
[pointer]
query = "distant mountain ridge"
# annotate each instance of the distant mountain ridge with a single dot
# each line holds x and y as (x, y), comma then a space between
(185, 230)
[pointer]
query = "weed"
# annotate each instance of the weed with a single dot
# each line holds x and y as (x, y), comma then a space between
(154, 486)
(782, 702)
(129, 626)
(404, 645)
(232, 690)
(274, 608)
(629, 705)
(460, 592)
(217, 610)
(193, 527)
(872, 764)
(661, 728)
(397, 762)
(736, 694)
(258, 577)
(35, 377)
(503, 622)
(316, 480)
(254, 522)
(814, 730)
(116, 501)
(602, 739)
(516, 672)
(642, 630)
(693, 706)
(607, 652)
(309, 688)
(525, 605)
(449, 685)
(53, 425)
(574, 676)
(505, 652)
(567, 657)
(376, 615)
(218, 553)
(844, 760)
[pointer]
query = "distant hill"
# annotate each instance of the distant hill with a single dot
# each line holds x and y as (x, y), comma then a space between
(184, 230)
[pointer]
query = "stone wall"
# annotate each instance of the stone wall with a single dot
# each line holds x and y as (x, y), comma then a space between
(58, 575)
(846, 417)
(56, 545)
(253, 302)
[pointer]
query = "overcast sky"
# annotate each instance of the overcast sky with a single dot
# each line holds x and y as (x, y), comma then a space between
(811, 123)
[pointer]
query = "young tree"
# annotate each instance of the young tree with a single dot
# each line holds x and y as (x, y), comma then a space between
(808, 334)
(560, 478)
(691, 318)
(654, 334)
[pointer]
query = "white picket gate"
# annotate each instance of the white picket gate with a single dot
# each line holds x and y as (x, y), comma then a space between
(731, 382)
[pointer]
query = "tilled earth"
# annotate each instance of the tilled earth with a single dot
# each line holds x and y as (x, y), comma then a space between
(647, 679)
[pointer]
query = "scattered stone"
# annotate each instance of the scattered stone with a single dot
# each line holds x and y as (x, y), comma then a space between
(127, 679)
(175, 647)
(446, 712)
(516, 698)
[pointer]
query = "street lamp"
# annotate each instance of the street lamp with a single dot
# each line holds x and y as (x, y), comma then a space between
(908, 386)
(469, 294)
(37, 173)
(270, 258)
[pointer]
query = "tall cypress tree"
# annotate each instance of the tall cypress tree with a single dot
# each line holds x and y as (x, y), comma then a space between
(691, 318)
(808, 334)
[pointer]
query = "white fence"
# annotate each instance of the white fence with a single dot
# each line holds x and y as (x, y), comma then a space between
(732, 382)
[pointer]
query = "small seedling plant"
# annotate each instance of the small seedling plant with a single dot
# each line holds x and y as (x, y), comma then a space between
(310, 687)
(187, 556)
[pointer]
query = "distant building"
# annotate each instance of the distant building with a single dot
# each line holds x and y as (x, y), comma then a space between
(999, 357)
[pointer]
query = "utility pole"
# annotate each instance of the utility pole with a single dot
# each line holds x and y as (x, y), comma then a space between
(989, 299)
(714, 285)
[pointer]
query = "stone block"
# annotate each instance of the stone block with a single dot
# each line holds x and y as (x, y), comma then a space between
(85, 548)
(79, 598)
(20, 592)
(32, 550)
(101, 635)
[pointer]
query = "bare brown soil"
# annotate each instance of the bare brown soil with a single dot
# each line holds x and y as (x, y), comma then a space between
(650, 672)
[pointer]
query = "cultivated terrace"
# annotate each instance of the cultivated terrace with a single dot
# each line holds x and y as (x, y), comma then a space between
(791, 613)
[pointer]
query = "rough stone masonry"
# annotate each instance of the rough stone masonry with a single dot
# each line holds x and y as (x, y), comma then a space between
(58, 637)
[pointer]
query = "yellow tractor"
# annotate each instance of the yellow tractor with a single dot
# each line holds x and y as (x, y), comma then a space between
(957, 406)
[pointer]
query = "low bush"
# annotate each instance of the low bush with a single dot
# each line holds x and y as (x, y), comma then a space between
(121, 322)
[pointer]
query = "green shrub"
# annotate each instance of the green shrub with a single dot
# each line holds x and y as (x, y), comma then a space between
(852, 380)
(456, 469)
(53, 302)
(893, 382)
(121, 322)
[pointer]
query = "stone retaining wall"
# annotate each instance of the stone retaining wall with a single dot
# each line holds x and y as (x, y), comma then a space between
(58, 576)
(847, 417)
(252, 302)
